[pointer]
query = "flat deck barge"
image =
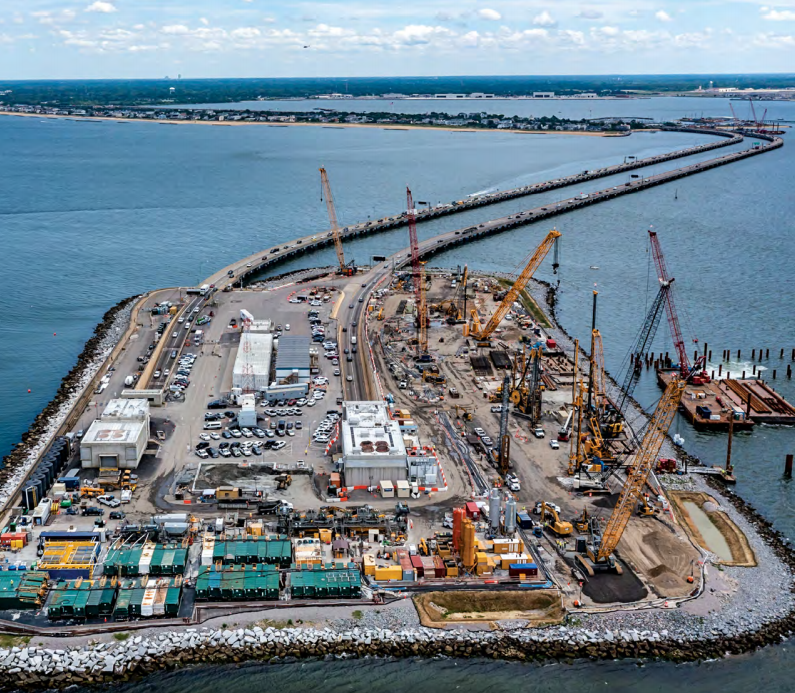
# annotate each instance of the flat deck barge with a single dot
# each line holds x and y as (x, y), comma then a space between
(750, 401)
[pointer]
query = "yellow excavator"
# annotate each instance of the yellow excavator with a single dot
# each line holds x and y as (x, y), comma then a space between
(644, 508)
(558, 526)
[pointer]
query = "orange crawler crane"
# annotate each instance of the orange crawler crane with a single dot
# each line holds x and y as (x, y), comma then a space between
(599, 553)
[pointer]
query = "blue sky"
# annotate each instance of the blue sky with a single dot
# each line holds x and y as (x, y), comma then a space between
(263, 38)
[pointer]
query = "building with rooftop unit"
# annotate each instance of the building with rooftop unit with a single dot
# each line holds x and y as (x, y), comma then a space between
(119, 437)
(372, 445)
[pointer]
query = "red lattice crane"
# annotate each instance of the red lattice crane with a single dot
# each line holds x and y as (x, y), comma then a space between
(666, 280)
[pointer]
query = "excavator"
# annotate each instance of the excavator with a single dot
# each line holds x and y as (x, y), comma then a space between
(583, 521)
(558, 526)
(644, 508)
(600, 549)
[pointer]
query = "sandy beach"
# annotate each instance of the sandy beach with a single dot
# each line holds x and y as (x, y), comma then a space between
(379, 126)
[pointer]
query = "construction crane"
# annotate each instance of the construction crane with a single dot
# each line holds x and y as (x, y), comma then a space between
(527, 386)
(483, 333)
(666, 280)
(505, 439)
(418, 279)
(599, 554)
(344, 269)
(641, 347)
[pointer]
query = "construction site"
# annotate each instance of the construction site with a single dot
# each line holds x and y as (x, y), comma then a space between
(456, 445)
(584, 471)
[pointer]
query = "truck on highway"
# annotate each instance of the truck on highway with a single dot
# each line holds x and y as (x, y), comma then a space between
(129, 380)
(353, 340)
(203, 289)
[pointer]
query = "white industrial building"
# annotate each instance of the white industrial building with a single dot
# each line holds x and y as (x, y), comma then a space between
(372, 445)
(247, 417)
(119, 437)
(251, 371)
(292, 360)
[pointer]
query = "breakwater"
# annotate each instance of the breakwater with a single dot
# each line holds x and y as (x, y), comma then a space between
(55, 417)
(299, 248)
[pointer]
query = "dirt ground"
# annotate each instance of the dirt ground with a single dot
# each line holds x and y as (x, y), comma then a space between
(742, 553)
(436, 609)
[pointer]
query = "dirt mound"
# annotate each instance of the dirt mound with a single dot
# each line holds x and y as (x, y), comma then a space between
(437, 609)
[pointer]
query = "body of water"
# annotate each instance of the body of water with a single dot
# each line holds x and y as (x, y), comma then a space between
(94, 212)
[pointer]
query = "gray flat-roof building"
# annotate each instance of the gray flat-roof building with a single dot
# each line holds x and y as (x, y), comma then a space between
(292, 359)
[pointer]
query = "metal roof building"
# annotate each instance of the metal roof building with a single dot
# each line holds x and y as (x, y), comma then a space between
(292, 358)
(252, 367)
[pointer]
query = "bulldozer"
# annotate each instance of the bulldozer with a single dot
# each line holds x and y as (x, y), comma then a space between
(283, 481)
(558, 526)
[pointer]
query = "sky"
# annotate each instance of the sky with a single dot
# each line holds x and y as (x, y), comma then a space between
(59, 39)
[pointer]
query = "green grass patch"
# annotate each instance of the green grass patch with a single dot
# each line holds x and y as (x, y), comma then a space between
(121, 637)
(7, 640)
(358, 615)
(529, 304)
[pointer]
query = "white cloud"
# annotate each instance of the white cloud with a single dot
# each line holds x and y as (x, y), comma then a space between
(269, 20)
(100, 6)
(778, 15)
(544, 19)
(569, 37)
(48, 17)
(204, 21)
(590, 14)
(768, 40)
(418, 34)
(489, 15)
(246, 32)
(662, 16)
(175, 29)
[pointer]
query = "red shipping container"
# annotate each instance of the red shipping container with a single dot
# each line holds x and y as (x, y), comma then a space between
(473, 512)
(551, 344)
(439, 568)
(416, 562)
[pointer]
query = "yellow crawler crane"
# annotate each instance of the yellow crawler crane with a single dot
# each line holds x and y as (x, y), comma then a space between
(335, 227)
(599, 554)
(482, 333)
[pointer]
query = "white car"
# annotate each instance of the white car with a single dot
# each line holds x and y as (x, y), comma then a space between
(287, 327)
(204, 436)
(246, 432)
(215, 436)
(554, 444)
(279, 445)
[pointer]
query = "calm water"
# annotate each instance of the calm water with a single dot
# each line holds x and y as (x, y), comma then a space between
(763, 671)
(93, 212)
(657, 108)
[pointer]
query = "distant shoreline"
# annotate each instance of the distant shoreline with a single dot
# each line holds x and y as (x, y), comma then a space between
(381, 126)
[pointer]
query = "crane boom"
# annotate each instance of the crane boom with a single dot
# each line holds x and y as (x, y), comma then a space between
(332, 216)
(516, 289)
(418, 278)
(642, 465)
(641, 347)
(670, 307)
(598, 355)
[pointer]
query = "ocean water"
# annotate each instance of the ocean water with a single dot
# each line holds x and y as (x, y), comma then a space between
(93, 212)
